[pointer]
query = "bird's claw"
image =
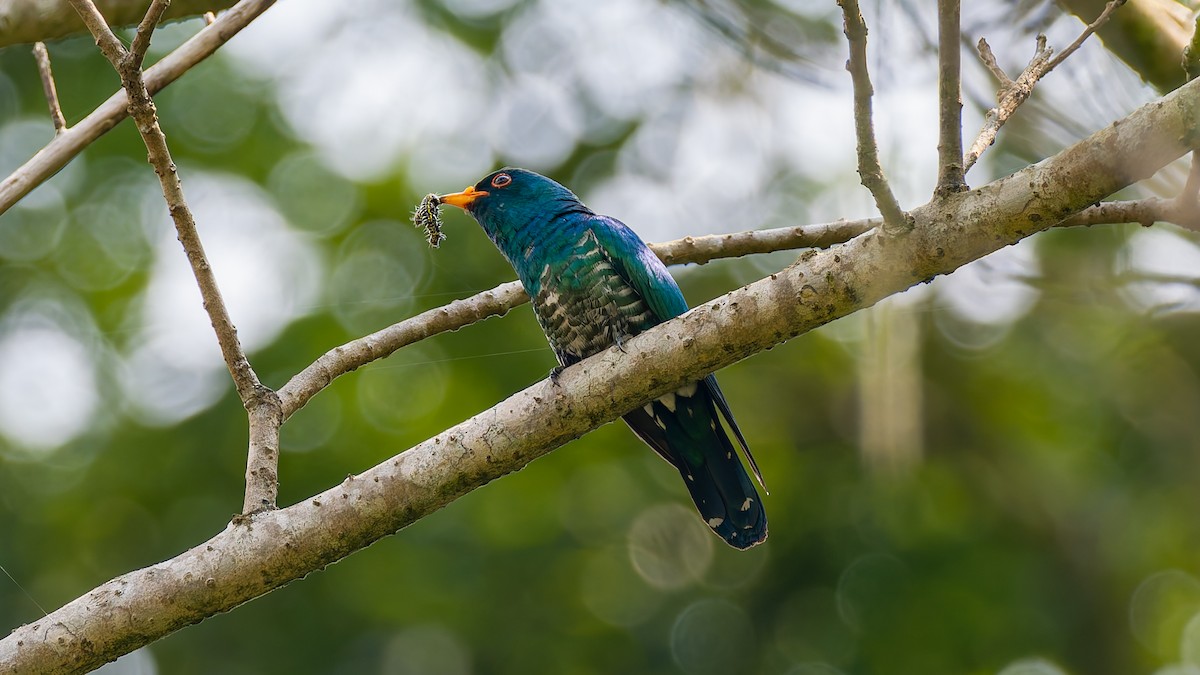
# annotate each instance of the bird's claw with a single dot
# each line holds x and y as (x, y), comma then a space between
(555, 372)
(620, 342)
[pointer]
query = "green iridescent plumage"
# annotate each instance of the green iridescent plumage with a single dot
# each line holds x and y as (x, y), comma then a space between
(593, 283)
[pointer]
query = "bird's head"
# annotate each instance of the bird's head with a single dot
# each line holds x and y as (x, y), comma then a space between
(510, 198)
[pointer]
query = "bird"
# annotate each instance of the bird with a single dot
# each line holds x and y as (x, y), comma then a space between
(593, 284)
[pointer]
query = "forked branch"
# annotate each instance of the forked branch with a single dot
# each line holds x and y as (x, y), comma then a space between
(261, 403)
(1013, 93)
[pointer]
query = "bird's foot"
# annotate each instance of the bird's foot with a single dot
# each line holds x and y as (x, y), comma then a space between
(555, 372)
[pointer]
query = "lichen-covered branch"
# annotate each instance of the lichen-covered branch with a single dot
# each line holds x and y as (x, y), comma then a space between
(23, 21)
(869, 169)
(262, 552)
(50, 159)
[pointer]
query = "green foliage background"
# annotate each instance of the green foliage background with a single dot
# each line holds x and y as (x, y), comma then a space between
(1050, 519)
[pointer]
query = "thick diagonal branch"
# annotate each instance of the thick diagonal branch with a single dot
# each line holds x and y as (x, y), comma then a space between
(270, 549)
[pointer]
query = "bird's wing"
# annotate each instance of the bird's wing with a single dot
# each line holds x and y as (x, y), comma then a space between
(639, 267)
(642, 270)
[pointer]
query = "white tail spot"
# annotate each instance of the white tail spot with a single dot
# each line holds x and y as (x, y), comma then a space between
(746, 504)
(714, 523)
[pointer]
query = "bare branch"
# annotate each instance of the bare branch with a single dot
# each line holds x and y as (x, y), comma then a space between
(255, 555)
(1013, 93)
(43, 63)
(989, 60)
(950, 152)
(1087, 32)
(141, 39)
(106, 40)
(23, 21)
(262, 456)
(1145, 212)
(262, 485)
(50, 159)
(869, 170)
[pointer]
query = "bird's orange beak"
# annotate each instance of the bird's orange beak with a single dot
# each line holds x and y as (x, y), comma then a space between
(462, 199)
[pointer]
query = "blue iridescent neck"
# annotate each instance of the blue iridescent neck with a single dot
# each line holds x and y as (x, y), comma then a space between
(521, 229)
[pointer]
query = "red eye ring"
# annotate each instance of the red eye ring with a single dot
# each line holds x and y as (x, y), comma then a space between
(501, 180)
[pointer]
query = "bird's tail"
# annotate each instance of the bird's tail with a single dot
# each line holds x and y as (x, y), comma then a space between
(683, 427)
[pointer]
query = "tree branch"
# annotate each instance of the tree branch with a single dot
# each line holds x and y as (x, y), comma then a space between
(65, 146)
(950, 154)
(24, 21)
(43, 63)
(869, 170)
(261, 403)
(1013, 93)
(260, 553)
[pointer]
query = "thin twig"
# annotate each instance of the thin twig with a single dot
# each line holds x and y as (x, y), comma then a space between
(950, 152)
(869, 170)
(1145, 212)
(50, 159)
(43, 63)
(262, 403)
(1087, 32)
(141, 39)
(989, 60)
(1012, 93)
(109, 44)
(142, 109)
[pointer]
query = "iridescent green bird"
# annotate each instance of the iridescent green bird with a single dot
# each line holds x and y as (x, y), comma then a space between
(594, 283)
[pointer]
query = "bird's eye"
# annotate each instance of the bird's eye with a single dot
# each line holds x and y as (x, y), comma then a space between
(501, 180)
